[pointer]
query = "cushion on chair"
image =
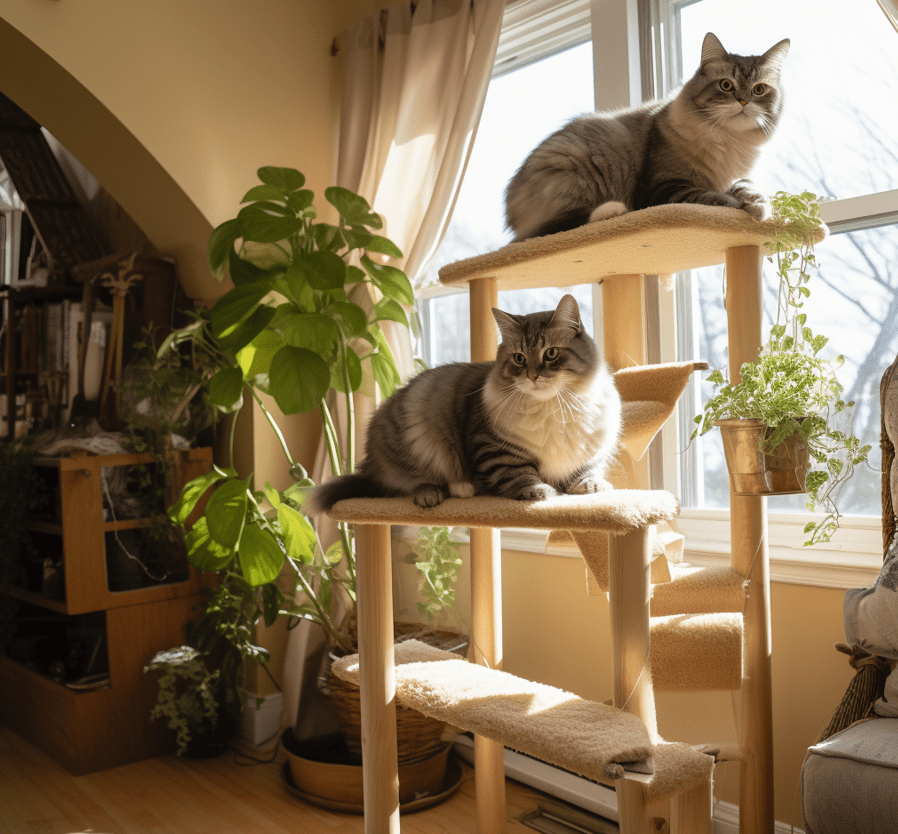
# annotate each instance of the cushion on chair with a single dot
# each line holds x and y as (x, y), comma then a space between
(849, 783)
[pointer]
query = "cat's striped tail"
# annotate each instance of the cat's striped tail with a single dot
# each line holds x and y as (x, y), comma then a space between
(356, 485)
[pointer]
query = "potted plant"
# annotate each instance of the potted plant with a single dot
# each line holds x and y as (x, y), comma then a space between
(301, 324)
(190, 697)
(201, 689)
(778, 419)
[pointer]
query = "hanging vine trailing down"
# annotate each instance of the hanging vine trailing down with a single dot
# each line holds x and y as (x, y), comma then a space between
(791, 387)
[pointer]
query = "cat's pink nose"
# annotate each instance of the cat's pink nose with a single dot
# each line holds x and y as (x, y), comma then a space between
(742, 101)
(533, 376)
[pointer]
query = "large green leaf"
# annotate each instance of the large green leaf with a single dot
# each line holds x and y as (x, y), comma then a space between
(246, 272)
(193, 491)
(226, 512)
(353, 208)
(392, 282)
(235, 306)
(353, 369)
(313, 331)
(299, 201)
(299, 537)
(351, 317)
(264, 192)
(203, 551)
(287, 179)
(389, 310)
(298, 379)
(260, 556)
(384, 366)
(383, 246)
(226, 389)
(263, 227)
(322, 270)
(220, 243)
(240, 336)
(255, 358)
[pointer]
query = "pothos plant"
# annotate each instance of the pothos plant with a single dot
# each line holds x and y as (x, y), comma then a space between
(293, 327)
(792, 388)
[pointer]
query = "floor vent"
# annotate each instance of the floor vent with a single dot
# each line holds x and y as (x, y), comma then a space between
(560, 818)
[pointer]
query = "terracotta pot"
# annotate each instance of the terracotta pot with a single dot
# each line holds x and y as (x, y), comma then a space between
(781, 471)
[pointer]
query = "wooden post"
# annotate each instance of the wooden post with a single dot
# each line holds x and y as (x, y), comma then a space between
(380, 778)
(624, 340)
(486, 590)
(750, 557)
(629, 560)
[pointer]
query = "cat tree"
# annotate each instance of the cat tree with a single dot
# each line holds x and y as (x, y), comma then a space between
(650, 631)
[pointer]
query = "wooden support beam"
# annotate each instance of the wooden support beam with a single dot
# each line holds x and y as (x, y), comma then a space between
(750, 557)
(378, 679)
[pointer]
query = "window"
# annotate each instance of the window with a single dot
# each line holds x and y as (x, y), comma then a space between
(837, 139)
(525, 103)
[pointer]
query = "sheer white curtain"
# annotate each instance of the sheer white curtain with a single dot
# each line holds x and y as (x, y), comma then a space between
(890, 8)
(415, 79)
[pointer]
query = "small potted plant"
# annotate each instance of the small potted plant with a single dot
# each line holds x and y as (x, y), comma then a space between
(190, 697)
(301, 324)
(777, 421)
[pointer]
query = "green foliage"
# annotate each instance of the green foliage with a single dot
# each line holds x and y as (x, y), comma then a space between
(790, 387)
(188, 694)
(293, 327)
(439, 564)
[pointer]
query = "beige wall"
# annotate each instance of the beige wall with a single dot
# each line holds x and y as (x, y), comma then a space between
(173, 106)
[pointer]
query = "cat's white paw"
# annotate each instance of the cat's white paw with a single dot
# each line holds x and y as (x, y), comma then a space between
(610, 209)
(429, 495)
(590, 485)
(537, 492)
(462, 489)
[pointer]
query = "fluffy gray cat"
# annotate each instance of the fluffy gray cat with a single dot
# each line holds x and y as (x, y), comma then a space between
(541, 419)
(698, 147)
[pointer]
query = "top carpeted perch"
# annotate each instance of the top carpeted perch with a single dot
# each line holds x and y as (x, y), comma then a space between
(660, 240)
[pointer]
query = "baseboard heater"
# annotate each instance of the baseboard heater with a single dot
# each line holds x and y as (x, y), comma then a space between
(562, 784)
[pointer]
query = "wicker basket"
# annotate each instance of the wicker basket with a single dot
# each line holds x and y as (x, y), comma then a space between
(417, 736)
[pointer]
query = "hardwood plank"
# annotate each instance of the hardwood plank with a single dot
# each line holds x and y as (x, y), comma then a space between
(225, 795)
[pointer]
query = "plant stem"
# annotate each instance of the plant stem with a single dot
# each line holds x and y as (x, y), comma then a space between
(274, 427)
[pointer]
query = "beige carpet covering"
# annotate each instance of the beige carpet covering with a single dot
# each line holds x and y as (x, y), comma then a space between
(618, 511)
(699, 591)
(660, 240)
(696, 652)
(594, 740)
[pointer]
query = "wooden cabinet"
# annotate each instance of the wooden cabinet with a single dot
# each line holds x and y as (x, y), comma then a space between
(89, 730)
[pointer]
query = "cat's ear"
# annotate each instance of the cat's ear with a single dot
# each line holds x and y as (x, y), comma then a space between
(773, 58)
(567, 314)
(712, 49)
(508, 324)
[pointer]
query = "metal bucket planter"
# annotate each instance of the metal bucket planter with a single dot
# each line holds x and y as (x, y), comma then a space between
(781, 471)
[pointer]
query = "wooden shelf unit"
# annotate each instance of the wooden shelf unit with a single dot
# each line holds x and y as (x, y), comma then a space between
(86, 731)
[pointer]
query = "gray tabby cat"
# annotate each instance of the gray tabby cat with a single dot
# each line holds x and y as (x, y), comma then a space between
(541, 419)
(698, 147)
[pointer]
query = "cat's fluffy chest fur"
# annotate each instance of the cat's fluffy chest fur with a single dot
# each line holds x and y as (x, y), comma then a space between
(563, 432)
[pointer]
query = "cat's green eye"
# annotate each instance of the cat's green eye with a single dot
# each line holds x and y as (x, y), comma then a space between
(727, 86)
(759, 89)
(519, 358)
(551, 354)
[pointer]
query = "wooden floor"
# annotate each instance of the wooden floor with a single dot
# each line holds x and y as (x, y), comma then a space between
(225, 795)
